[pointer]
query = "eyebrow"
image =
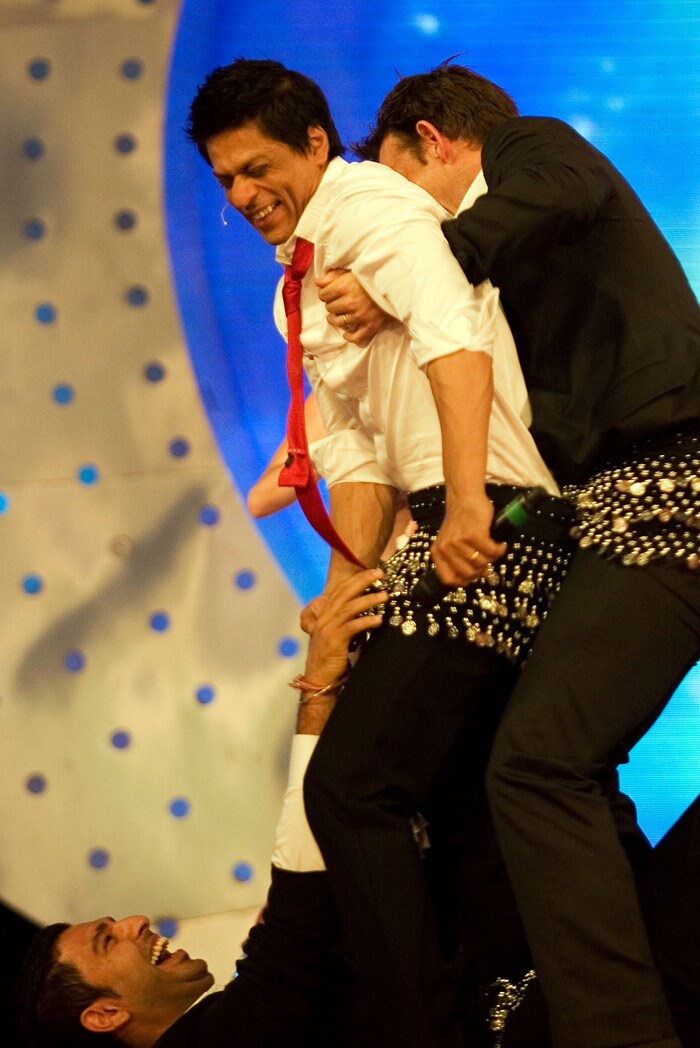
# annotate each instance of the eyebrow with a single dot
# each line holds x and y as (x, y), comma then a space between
(254, 161)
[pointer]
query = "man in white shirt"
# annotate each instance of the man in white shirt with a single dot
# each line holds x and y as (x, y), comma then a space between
(435, 406)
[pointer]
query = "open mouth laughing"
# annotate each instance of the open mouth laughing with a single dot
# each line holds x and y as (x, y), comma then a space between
(260, 217)
(159, 952)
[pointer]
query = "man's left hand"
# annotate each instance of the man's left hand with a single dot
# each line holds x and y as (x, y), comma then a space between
(349, 307)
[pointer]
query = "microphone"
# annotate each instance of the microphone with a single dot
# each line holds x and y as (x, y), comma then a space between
(509, 522)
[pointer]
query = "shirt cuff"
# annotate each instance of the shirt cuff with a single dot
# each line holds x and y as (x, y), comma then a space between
(295, 847)
(348, 457)
(475, 332)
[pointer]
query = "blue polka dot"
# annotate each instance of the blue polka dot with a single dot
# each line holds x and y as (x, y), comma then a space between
(33, 149)
(4, 502)
(242, 872)
(288, 647)
(125, 219)
(132, 69)
(45, 313)
(98, 858)
(39, 68)
(32, 584)
(160, 621)
(74, 661)
(209, 515)
(179, 447)
(179, 808)
(121, 740)
(245, 580)
(205, 694)
(63, 393)
(154, 372)
(36, 784)
(88, 474)
(168, 927)
(125, 144)
(34, 229)
(136, 295)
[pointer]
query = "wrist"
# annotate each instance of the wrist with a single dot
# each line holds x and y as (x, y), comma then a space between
(311, 688)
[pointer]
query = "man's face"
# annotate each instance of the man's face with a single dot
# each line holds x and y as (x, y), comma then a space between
(134, 962)
(266, 180)
(442, 182)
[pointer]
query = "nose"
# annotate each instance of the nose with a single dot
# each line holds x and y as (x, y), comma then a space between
(241, 194)
(131, 927)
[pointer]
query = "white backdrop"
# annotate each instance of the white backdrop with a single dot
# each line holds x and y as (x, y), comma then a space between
(147, 636)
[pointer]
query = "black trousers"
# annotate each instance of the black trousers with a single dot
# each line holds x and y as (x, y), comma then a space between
(616, 644)
(408, 702)
(672, 908)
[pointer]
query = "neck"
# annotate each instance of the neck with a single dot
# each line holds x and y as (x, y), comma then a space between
(141, 1033)
(467, 164)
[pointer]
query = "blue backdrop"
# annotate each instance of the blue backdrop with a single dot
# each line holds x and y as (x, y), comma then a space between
(627, 76)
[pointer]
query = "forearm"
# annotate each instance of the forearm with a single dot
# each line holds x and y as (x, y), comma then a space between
(363, 514)
(462, 386)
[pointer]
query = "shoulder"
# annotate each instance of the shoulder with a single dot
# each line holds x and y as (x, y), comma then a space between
(367, 180)
(534, 138)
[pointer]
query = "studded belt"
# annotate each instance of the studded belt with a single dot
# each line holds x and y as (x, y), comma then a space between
(645, 510)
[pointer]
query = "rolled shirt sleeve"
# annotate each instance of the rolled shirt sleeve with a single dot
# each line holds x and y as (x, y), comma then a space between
(388, 233)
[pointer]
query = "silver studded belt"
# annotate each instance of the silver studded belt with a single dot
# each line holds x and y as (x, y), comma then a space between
(503, 609)
(645, 510)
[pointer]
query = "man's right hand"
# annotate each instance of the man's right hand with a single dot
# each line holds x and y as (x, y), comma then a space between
(339, 620)
(463, 547)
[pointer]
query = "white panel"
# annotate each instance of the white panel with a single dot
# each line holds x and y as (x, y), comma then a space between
(111, 554)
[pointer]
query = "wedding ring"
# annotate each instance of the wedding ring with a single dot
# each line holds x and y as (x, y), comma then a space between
(345, 320)
(474, 556)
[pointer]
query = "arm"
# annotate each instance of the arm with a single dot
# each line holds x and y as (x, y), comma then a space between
(462, 385)
(363, 514)
(400, 257)
(266, 496)
(282, 982)
(547, 186)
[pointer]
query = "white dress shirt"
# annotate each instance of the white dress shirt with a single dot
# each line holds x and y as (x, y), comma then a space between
(295, 845)
(376, 403)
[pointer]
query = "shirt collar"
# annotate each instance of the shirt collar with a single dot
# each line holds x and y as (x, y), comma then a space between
(311, 216)
(476, 189)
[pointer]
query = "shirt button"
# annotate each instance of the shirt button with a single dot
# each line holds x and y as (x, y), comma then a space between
(461, 257)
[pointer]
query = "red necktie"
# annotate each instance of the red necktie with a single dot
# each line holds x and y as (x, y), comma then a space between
(297, 471)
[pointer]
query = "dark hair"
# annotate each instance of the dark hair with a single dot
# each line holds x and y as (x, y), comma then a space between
(283, 102)
(51, 997)
(459, 102)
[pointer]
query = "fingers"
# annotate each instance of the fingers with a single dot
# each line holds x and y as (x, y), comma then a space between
(336, 285)
(459, 565)
(353, 587)
(309, 615)
(346, 606)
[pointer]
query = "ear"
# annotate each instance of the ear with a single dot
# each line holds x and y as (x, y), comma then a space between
(318, 147)
(105, 1015)
(434, 142)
